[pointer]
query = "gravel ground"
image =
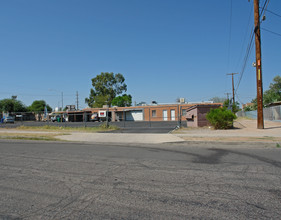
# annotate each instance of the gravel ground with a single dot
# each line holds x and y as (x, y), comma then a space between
(244, 130)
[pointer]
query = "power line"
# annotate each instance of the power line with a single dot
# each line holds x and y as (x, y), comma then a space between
(273, 13)
(265, 5)
(230, 30)
(271, 32)
(245, 37)
(250, 47)
(246, 58)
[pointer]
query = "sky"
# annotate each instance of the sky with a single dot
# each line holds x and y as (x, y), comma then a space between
(166, 49)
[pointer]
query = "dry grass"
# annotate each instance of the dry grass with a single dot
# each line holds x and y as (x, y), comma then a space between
(234, 139)
(30, 136)
(68, 129)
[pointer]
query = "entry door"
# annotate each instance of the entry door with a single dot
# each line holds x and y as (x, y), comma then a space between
(173, 115)
(165, 115)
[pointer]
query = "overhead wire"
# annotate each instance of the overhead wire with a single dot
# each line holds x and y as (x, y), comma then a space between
(229, 36)
(271, 32)
(245, 37)
(249, 47)
(273, 13)
(229, 39)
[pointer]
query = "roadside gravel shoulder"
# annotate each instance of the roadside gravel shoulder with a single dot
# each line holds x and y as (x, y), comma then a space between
(244, 131)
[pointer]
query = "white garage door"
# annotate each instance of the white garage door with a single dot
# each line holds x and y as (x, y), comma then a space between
(134, 115)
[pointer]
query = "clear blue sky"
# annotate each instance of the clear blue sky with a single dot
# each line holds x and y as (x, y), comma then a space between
(166, 49)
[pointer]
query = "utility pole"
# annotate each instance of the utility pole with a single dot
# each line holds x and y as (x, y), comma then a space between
(77, 101)
(233, 93)
(61, 101)
(227, 95)
(260, 122)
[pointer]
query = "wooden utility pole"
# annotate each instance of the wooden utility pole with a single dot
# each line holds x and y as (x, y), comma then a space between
(227, 95)
(233, 93)
(260, 122)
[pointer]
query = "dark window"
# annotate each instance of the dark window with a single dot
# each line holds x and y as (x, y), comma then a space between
(183, 112)
(153, 113)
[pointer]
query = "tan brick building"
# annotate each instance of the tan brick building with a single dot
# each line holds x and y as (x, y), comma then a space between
(165, 112)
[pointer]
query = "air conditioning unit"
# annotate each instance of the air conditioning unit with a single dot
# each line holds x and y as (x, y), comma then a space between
(182, 100)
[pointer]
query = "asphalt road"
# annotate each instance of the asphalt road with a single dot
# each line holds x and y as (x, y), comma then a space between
(40, 180)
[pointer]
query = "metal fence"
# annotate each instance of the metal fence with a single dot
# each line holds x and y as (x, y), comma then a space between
(85, 119)
(271, 114)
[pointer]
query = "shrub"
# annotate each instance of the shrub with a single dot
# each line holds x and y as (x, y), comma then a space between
(221, 118)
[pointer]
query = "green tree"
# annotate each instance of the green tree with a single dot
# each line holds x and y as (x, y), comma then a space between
(221, 118)
(273, 94)
(39, 106)
(12, 105)
(122, 101)
(234, 107)
(248, 108)
(218, 99)
(106, 87)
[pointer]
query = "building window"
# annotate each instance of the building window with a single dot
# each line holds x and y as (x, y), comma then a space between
(153, 113)
(183, 112)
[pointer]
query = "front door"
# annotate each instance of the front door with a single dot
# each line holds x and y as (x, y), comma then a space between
(165, 115)
(173, 115)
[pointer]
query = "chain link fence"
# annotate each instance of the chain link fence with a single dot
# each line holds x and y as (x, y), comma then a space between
(271, 113)
(86, 119)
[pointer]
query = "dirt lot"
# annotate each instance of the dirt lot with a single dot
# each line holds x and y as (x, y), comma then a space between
(244, 130)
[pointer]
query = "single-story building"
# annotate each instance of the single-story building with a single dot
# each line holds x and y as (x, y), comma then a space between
(196, 114)
(159, 112)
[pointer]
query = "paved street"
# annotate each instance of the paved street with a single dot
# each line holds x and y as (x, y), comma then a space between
(40, 180)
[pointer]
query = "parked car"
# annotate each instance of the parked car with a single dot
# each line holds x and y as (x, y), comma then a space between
(9, 119)
(94, 117)
(57, 118)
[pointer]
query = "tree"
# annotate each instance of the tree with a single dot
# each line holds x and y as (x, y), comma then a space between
(39, 106)
(221, 118)
(218, 99)
(12, 105)
(273, 94)
(106, 87)
(122, 101)
(234, 107)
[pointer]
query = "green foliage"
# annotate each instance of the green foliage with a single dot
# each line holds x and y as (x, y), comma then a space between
(106, 87)
(273, 94)
(122, 101)
(39, 106)
(105, 126)
(221, 118)
(248, 108)
(12, 105)
(218, 99)
(228, 104)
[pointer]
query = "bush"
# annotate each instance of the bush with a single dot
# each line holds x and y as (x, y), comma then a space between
(221, 118)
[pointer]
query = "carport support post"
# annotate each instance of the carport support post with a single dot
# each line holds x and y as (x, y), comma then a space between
(84, 119)
(107, 117)
(149, 117)
(124, 117)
